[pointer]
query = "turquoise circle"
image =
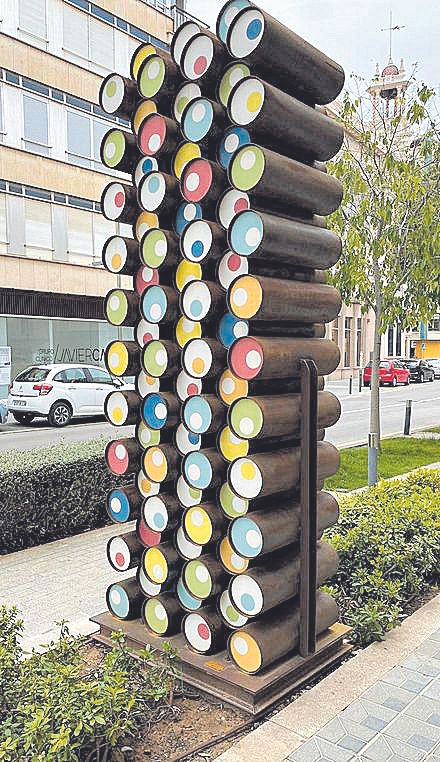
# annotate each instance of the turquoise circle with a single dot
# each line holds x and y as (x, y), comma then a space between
(242, 224)
(197, 130)
(199, 406)
(121, 609)
(154, 304)
(239, 530)
(203, 479)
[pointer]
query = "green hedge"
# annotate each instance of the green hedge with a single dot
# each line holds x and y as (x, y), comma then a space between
(388, 540)
(50, 493)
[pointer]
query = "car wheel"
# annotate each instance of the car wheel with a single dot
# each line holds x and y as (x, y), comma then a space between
(432, 378)
(407, 382)
(421, 378)
(394, 382)
(23, 418)
(366, 384)
(60, 414)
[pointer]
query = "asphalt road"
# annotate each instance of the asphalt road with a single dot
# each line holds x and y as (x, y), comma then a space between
(352, 428)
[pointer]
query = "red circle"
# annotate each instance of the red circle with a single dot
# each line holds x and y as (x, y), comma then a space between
(147, 537)
(240, 205)
(203, 631)
(119, 199)
(192, 389)
(200, 65)
(154, 124)
(202, 168)
(141, 283)
(237, 358)
(116, 465)
(234, 262)
(119, 559)
(147, 337)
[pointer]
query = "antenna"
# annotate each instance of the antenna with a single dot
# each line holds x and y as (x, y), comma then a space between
(391, 29)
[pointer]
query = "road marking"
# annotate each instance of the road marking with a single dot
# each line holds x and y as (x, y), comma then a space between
(395, 404)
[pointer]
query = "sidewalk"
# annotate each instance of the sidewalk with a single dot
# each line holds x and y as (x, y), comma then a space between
(383, 705)
(65, 579)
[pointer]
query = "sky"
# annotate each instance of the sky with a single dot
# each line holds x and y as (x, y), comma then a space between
(349, 31)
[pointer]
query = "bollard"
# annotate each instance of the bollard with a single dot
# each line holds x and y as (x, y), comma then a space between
(350, 385)
(360, 380)
(372, 459)
(408, 411)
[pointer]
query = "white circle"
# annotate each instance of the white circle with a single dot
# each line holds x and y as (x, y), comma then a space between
(194, 472)
(247, 160)
(114, 360)
(161, 357)
(115, 504)
(229, 15)
(187, 325)
(228, 386)
(153, 70)
(239, 505)
(246, 426)
(115, 596)
(253, 538)
(157, 458)
(158, 571)
(160, 410)
(196, 420)
(197, 518)
(155, 311)
(198, 112)
(235, 75)
(160, 612)
(160, 248)
(192, 181)
(241, 646)
(240, 329)
(240, 297)
(120, 452)
(237, 562)
(154, 142)
(253, 359)
(231, 143)
(202, 573)
(189, 212)
(110, 150)
(114, 302)
(253, 237)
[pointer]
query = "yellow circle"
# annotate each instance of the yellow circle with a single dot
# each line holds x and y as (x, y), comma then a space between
(145, 486)
(246, 297)
(117, 415)
(231, 388)
(140, 55)
(186, 272)
(144, 222)
(230, 559)
(117, 358)
(198, 525)
(186, 330)
(144, 109)
(155, 565)
(155, 464)
(245, 651)
(198, 365)
(183, 155)
(254, 101)
(231, 447)
(248, 470)
(116, 261)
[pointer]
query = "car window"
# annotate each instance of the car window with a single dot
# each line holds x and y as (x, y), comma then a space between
(384, 364)
(100, 376)
(61, 376)
(33, 374)
(75, 376)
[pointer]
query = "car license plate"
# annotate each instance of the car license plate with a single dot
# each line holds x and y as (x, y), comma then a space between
(20, 403)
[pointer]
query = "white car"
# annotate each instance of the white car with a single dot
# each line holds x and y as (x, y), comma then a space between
(61, 392)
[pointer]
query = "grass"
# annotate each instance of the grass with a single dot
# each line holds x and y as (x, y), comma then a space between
(398, 456)
(434, 430)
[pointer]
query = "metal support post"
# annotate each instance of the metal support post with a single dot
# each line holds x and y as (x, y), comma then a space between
(408, 411)
(372, 459)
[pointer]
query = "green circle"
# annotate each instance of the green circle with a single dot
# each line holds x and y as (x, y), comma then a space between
(246, 418)
(149, 254)
(226, 85)
(181, 103)
(148, 437)
(154, 362)
(113, 148)
(199, 588)
(231, 505)
(150, 83)
(245, 178)
(232, 614)
(153, 611)
(116, 313)
(110, 89)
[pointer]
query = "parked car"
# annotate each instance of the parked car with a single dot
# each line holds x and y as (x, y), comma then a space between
(419, 370)
(436, 365)
(61, 392)
(391, 372)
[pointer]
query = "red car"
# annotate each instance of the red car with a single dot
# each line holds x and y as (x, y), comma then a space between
(391, 372)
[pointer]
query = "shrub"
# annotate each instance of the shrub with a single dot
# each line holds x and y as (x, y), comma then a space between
(50, 493)
(57, 707)
(388, 540)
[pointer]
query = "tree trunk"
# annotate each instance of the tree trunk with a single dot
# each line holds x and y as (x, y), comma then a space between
(374, 383)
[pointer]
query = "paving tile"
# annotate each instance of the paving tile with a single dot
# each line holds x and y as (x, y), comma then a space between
(429, 647)
(435, 635)
(433, 690)
(422, 708)
(423, 665)
(386, 749)
(336, 731)
(413, 732)
(318, 749)
(399, 676)
(360, 711)
(388, 695)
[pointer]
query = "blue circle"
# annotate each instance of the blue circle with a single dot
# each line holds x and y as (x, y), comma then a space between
(121, 609)
(240, 227)
(193, 439)
(149, 411)
(225, 156)
(187, 600)
(147, 166)
(247, 602)
(197, 249)
(254, 29)
(199, 459)
(197, 130)
(196, 307)
(226, 329)
(180, 222)
(159, 521)
(200, 406)
(152, 296)
(223, 28)
(239, 529)
(119, 517)
(153, 184)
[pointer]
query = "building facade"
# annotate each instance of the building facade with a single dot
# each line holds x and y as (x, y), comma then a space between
(53, 55)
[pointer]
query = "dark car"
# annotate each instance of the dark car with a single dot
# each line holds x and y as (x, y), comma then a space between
(391, 372)
(419, 370)
(436, 365)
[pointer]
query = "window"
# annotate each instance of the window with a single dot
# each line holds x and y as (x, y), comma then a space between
(88, 38)
(2, 128)
(398, 340)
(75, 32)
(101, 44)
(100, 376)
(36, 131)
(102, 230)
(359, 342)
(335, 332)
(33, 374)
(75, 376)
(3, 225)
(78, 139)
(390, 350)
(79, 236)
(38, 229)
(99, 130)
(32, 17)
(347, 342)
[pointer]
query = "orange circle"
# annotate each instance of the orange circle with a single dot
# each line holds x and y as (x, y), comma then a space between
(155, 464)
(245, 651)
(245, 297)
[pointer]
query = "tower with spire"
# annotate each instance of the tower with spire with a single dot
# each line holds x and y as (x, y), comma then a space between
(388, 88)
